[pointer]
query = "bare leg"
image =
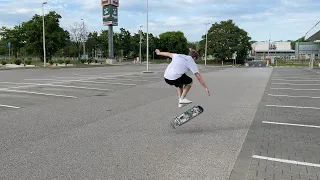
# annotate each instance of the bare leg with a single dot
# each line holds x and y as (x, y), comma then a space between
(186, 90)
(180, 91)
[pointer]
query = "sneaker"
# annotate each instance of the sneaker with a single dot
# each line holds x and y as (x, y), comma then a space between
(184, 101)
(181, 105)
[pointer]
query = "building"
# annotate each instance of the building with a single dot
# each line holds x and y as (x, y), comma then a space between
(306, 49)
(283, 50)
(309, 48)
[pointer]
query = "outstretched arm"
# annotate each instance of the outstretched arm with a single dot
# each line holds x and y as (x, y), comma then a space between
(200, 79)
(168, 54)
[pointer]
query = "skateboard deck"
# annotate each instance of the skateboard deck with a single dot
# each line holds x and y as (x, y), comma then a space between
(186, 116)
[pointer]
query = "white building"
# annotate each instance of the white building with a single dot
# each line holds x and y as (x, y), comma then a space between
(261, 50)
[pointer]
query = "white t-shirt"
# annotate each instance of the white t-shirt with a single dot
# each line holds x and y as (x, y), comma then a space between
(179, 65)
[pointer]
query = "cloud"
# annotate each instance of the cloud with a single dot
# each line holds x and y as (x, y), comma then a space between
(280, 19)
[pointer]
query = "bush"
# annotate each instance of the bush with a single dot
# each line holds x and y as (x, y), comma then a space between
(90, 60)
(67, 61)
(96, 61)
(60, 61)
(3, 62)
(51, 62)
(16, 61)
(82, 60)
(28, 61)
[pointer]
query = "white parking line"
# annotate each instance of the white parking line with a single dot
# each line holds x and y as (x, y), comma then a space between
(296, 80)
(297, 89)
(29, 92)
(293, 96)
(108, 83)
(295, 77)
(8, 106)
(295, 107)
(75, 87)
(289, 124)
(291, 84)
(286, 161)
(15, 83)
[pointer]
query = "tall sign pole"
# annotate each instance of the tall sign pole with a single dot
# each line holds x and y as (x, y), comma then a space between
(110, 19)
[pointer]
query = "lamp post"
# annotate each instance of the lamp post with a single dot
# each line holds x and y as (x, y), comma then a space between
(205, 59)
(140, 46)
(147, 39)
(83, 33)
(44, 39)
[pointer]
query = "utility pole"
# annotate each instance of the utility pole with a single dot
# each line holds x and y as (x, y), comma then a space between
(140, 57)
(205, 59)
(83, 38)
(44, 38)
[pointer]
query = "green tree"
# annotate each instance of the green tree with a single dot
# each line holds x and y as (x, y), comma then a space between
(55, 36)
(224, 39)
(173, 41)
(16, 36)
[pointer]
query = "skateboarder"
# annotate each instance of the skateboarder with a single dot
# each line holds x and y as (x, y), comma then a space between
(175, 74)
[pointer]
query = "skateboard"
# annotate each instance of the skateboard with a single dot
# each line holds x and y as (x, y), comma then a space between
(186, 116)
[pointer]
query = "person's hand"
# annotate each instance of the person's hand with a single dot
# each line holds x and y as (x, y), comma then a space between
(207, 90)
(157, 51)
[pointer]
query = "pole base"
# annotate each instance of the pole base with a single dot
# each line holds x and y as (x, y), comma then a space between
(147, 71)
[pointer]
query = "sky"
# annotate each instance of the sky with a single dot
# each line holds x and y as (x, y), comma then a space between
(262, 19)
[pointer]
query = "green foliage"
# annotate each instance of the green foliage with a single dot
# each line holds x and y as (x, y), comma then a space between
(28, 61)
(16, 61)
(56, 38)
(3, 62)
(51, 62)
(224, 39)
(67, 61)
(60, 61)
(173, 41)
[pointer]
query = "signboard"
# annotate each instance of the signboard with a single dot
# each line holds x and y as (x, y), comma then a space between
(110, 15)
(9, 44)
(115, 3)
(105, 2)
(110, 2)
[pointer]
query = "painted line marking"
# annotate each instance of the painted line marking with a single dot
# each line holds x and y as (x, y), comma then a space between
(45, 94)
(289, 124)
(56, 85)
(297, 89)
(286, 161)
(108, 83)
(8, 106)
(293, 96)
(15, 83)
(295, 80)
(296, 107)
(314, 71)
(291, 84)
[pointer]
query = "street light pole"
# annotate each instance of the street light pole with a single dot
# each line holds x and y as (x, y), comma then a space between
(147, 35)
(147, 38)
(44, 39)
(83, 33)
(205, 59)
(140, 47)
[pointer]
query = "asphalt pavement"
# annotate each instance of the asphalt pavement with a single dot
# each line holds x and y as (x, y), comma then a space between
(283, 142)
(114, 123)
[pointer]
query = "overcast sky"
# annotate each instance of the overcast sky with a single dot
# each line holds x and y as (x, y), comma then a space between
(282, 19)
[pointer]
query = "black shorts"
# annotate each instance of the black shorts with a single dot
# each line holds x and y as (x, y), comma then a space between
(183, 80)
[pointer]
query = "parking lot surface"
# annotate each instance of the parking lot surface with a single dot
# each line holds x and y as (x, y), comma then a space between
(283, 142)
(114, 123)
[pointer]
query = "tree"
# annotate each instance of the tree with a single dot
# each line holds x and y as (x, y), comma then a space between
(56, 37)
(224, 39)
(15, 36)
(173, 41)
